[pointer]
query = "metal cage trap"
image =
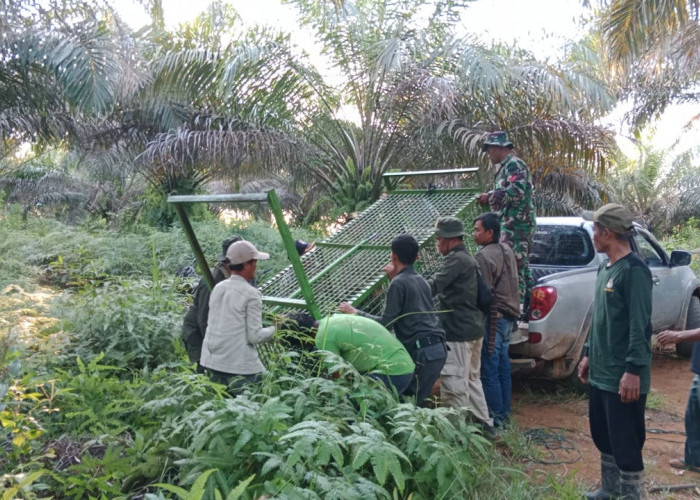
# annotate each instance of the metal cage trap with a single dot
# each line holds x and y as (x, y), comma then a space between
(348, 266)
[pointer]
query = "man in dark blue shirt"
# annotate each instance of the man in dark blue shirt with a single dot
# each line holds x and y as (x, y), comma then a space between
(691, 460)
(409, 310)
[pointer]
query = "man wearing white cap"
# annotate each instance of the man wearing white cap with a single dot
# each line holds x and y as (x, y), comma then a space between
(235, 322)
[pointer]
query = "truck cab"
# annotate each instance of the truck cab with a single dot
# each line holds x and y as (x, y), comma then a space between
(564, 264)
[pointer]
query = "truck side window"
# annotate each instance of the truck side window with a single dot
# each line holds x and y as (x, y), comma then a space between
(647, 252)
(558, 245)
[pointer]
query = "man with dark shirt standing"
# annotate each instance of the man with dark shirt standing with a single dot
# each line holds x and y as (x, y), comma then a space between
(194, 326)
(455, 286)
(617, 355)
(691, 457)
(410, 311)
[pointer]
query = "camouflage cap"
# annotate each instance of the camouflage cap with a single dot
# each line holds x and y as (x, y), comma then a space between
(614, 216)
(498, 138)
(449, 227)
(225, 244)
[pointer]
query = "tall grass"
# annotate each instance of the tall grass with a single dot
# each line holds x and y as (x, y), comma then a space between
(119, 413)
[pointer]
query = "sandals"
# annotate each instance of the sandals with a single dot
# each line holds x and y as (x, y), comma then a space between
(679, 463)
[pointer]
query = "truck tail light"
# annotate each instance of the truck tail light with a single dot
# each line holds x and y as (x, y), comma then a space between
(534, 337)
(541, 302)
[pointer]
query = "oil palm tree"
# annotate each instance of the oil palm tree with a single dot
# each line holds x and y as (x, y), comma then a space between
(652, 46)
(186, 105)
(424, 99)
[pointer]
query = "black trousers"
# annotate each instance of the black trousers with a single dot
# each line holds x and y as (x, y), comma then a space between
(235, 383)
(429, 360)
(618, 428)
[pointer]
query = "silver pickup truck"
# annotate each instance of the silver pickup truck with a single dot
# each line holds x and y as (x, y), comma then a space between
(564, 264)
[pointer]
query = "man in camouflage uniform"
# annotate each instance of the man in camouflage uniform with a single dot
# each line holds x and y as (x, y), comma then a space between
(194, 325)
(511, 198)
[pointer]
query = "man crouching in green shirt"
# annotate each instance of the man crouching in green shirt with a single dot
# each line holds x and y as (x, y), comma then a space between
(617, 355)
(369, 347)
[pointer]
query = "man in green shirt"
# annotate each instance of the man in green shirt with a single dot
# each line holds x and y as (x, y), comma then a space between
(617, 356)
(455, 287)
(369, 347)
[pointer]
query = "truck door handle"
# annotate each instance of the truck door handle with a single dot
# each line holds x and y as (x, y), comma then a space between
(655, 280)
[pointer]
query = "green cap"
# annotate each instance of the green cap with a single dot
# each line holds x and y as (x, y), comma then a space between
(499, 138)
(449, 227)
(613, 216)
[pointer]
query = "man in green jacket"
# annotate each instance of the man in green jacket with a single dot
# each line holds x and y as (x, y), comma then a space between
(455, 286)
(369, 347)
(194, 326)
(617, 355)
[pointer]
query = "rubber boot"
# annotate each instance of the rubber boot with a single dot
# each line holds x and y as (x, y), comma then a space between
(609, 479)
(632, 485)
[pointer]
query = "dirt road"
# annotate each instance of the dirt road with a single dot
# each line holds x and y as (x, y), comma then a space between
(559, 420)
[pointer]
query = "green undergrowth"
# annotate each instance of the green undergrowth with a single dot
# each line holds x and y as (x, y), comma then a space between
(97, 400)
(49, 252)
(101, 431)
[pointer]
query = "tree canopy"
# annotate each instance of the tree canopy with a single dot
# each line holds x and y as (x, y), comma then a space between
(124, 113)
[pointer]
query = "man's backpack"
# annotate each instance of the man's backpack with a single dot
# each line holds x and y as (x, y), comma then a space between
(484, 295)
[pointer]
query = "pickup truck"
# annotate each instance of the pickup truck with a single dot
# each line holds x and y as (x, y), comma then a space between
(564, 264)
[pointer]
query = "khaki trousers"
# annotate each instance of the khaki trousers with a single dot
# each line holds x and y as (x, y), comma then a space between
(460, 379)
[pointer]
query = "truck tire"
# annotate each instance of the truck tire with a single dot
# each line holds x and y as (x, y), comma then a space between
(685, 349)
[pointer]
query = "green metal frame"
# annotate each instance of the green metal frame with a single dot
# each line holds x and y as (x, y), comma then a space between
(348, 265)
(271, 198)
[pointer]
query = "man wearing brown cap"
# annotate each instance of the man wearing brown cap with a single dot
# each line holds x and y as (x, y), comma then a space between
(235, 322)
(455, 286)
(617, 356)
(194, 326)
(511, 199)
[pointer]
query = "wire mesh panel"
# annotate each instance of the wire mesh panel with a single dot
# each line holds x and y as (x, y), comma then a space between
(399, 212)
(348, 265)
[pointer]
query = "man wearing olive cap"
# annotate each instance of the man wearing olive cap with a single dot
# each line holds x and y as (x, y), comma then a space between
(511, 198)
(194, 326)
(616, 362)
(235, 321)
(455, 286)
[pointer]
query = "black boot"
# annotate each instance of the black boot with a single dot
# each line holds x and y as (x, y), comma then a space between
(632, 485)
(609, 480)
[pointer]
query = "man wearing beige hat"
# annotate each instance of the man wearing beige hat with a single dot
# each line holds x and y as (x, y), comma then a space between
(616, 363)
(455, 286)
(235, 322)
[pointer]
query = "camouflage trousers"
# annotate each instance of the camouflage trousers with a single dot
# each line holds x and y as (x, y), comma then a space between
(521, 245)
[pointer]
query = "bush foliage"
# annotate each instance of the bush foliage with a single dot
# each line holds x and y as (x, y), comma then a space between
(98, 400)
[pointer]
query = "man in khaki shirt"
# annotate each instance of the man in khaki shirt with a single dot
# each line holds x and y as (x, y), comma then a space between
(455, 286)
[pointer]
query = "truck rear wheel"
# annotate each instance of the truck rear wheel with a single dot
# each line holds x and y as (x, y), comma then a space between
(692, 321)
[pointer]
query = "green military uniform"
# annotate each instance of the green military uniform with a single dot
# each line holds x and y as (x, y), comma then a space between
(511, 198)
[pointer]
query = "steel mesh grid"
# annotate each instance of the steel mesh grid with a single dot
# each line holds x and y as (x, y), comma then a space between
(358, 277)
(411, 212)
(286, 284)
